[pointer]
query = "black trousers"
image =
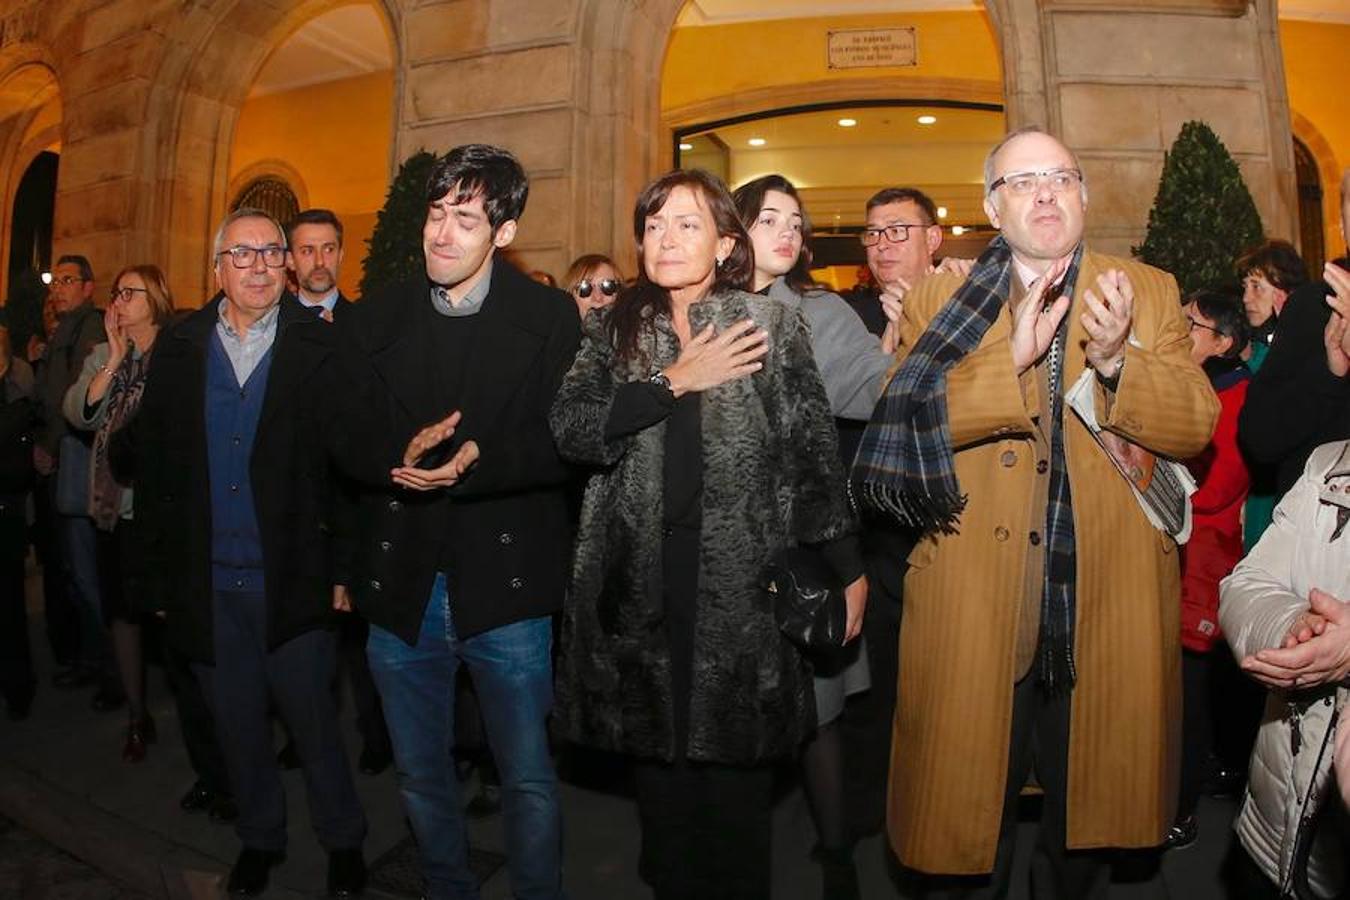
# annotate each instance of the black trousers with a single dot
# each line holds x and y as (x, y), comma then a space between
(352, 663)
(865, 726)
(298, 675)
(1039, 741)
(58, 606)
(705, 830)
(17, 682)
(1197, 727)
(196, 723)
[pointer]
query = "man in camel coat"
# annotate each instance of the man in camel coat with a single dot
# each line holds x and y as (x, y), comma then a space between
(1043, 631)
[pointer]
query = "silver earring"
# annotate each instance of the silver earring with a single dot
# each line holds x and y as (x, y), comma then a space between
(720, 260)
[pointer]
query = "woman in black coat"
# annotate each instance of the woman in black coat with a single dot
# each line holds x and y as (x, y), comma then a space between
(704, 408)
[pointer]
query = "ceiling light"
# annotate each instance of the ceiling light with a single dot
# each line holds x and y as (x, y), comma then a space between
(686, 146)
(927, 120)
(847, 123)
(958, 230)
(757, 142)
(942, 212)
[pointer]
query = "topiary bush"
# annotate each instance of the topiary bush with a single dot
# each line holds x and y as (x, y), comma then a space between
(394, 249)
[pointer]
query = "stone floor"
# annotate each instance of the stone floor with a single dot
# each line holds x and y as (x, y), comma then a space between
(33, 869)
(61, 777)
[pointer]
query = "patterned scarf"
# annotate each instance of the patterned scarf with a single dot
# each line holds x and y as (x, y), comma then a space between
(121, 401)
(905, 466)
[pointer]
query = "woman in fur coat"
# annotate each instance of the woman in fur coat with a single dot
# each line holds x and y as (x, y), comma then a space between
(705, 416)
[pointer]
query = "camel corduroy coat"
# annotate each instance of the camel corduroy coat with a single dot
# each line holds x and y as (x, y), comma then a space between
(962, 593)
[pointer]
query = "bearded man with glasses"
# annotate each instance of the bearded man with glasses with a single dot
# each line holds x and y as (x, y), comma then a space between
(247, 402)
(1041, 624)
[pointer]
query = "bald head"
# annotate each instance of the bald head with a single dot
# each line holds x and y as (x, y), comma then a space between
(1035, 195)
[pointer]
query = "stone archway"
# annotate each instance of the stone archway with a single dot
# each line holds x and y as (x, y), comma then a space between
(202, 84)
(621, 141)
(31, 119)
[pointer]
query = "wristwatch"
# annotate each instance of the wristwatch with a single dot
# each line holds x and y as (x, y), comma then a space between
(662, 380)
(1112, 381)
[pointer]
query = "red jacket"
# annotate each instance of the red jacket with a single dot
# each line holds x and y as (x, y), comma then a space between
(1216, 535)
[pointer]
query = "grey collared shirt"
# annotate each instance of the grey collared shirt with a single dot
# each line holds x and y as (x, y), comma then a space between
(328, 301)
(247, 350)
(472, 302)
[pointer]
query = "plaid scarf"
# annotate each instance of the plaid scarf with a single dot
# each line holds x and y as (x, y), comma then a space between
(905, 467)
(120, 403)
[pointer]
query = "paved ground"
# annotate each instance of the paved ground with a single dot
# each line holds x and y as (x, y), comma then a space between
(33, 869)
(61, 777)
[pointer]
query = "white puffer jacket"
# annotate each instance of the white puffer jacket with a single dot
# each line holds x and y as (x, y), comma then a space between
(1258, 604)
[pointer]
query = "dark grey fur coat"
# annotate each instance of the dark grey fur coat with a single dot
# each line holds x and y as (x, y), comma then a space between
(771, 477)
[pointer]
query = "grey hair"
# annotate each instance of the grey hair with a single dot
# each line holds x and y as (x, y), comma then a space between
(1017, 133)
(243, 212)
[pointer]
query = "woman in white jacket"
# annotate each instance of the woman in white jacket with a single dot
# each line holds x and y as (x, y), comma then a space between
(1283, 612)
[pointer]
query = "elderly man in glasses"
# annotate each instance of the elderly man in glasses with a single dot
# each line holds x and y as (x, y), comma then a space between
(229, 453)
(1041, 625)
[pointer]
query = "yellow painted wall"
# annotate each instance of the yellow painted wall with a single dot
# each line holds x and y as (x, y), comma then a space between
(336, 135)
(1317, 70)
(706, 62)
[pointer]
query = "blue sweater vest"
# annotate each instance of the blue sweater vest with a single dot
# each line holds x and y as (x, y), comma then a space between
(232, 414)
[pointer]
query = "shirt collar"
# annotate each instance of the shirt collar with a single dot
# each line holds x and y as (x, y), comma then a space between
(472, 301)
(267, 323)
(328, 301)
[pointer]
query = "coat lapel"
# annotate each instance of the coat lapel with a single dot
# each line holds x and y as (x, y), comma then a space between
(295, 356)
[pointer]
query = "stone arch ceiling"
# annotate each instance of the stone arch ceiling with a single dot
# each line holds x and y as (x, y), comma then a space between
(342, 43)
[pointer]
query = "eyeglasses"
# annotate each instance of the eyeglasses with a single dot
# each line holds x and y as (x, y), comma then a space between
(608, 286)
(242, 257)
(125, 294)
(68, 280)
(1195, 325)
(1024, 183)
(896, 234)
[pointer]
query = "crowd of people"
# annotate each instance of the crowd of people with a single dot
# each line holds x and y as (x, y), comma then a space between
(573, 500)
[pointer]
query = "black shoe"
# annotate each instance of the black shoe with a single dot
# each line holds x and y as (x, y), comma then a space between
(197, 798)
(1182, 834)
(839, 876)
(487, 802)
(248, 878)
(288, 758)
(374, 760)
(16, 710)
(223, 809)
(74, 677)
(346, 873)
(105, 700)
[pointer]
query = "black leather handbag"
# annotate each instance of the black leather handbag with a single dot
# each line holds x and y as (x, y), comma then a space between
(808, 600)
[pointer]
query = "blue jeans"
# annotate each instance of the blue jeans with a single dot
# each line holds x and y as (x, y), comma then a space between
(512, 672)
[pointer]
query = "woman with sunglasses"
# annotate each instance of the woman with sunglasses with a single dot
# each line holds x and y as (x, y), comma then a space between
(852, 364)
(594, 281)
(105, 397)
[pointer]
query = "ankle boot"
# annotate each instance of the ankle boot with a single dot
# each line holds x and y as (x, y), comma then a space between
(839, 877)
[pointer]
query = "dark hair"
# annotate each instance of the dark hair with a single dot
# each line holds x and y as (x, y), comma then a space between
(79, 262)
(1278, 261)
(1224, 308)
(900, 195)
(480, 170)
(635, 304)
(749, 199)
(316, 216)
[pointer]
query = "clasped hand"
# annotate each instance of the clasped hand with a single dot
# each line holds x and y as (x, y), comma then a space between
(409, 475)
(1336, 337)
(1316, 649)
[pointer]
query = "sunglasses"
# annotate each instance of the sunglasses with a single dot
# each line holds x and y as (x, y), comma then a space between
(585, 287)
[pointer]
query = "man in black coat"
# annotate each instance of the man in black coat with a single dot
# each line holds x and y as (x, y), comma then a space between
(467, 566)
(1294, 402)
(314, 255)
(229, 452)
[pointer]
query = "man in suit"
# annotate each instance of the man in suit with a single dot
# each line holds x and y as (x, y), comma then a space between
(229, 456)
(314, 255)
(1041, 618)
(466, 564)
